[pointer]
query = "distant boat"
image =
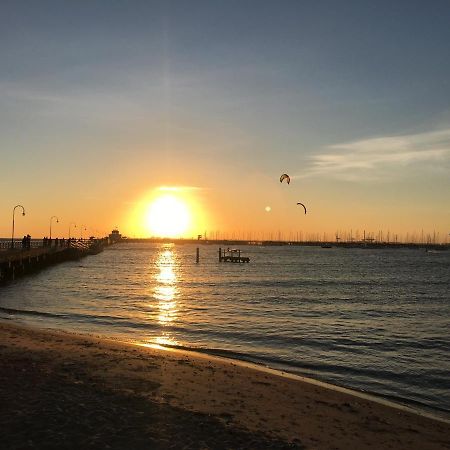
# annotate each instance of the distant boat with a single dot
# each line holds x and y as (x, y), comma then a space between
(326, 246)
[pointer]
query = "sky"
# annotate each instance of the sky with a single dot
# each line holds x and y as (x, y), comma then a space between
(106, 105)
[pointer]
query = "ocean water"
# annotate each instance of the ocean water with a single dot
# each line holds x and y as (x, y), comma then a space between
(375, 320)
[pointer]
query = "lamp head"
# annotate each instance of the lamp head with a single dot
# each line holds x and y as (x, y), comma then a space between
(23, 213)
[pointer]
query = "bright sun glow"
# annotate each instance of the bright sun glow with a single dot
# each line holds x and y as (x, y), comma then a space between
(168, 216)
(168, 211)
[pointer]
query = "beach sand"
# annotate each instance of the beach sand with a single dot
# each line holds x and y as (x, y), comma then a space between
(61, 390)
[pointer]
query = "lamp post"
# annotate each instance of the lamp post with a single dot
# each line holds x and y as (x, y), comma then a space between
(70, 224)
(57, 221)
(96, 233)
(83, 227)
(14, 211)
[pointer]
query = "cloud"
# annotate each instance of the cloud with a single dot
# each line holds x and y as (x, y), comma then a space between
(373, 158)
(181, 188)
(75, 101)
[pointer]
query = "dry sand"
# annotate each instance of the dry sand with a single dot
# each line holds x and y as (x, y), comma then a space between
(60, 390)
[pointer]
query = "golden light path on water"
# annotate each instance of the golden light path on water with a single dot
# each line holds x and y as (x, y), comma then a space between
(166, 292)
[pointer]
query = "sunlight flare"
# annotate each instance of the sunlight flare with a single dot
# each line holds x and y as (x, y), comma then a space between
(168, 216)
(168, 212)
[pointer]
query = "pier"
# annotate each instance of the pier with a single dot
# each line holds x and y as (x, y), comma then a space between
(16, 263)
(232, 255)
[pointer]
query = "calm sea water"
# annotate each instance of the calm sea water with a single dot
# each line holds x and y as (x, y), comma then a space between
(373, 320)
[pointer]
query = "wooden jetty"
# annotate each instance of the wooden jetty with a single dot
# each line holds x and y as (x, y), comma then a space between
(20, 262)
(232, 255)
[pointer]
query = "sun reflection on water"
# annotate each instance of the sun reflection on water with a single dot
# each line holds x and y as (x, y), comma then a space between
(166, 293)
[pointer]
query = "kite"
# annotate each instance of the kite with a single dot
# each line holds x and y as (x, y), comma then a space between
(286, 177)
(304, 207)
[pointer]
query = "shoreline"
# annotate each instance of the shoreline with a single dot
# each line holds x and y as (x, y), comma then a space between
(399, 403)
(442, 416)
(373, 397)
(239, 400)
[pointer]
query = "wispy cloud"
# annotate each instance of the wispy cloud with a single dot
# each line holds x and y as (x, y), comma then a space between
(373, 158)
(180, 188)
(76, 102)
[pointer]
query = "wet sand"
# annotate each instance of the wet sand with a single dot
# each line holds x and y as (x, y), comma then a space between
(61, 390)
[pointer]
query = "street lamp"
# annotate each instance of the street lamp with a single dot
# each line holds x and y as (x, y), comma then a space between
(83, 227)
(70, 224)
(57, 221)
(14, 211)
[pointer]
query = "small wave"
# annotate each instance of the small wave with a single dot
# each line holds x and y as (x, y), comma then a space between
(74, 317)
(217, 352)
(25, 312)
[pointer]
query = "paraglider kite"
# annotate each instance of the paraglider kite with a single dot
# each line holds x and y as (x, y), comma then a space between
(304, 207)
(286, 177)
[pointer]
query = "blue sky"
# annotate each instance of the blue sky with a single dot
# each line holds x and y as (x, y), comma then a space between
(351, 99)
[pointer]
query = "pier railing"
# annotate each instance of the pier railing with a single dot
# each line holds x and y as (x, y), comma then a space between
(18, 244)
(15, 262)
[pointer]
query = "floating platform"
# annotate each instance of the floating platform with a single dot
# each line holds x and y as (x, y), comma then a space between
(232, 255)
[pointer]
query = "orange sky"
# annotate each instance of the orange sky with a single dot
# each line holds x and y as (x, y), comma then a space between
(101, 107)
(239, 211)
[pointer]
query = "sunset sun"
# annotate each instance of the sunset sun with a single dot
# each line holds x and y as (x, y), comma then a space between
(168, 216)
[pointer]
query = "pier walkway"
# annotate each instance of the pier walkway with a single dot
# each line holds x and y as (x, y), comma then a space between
(18, 262)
